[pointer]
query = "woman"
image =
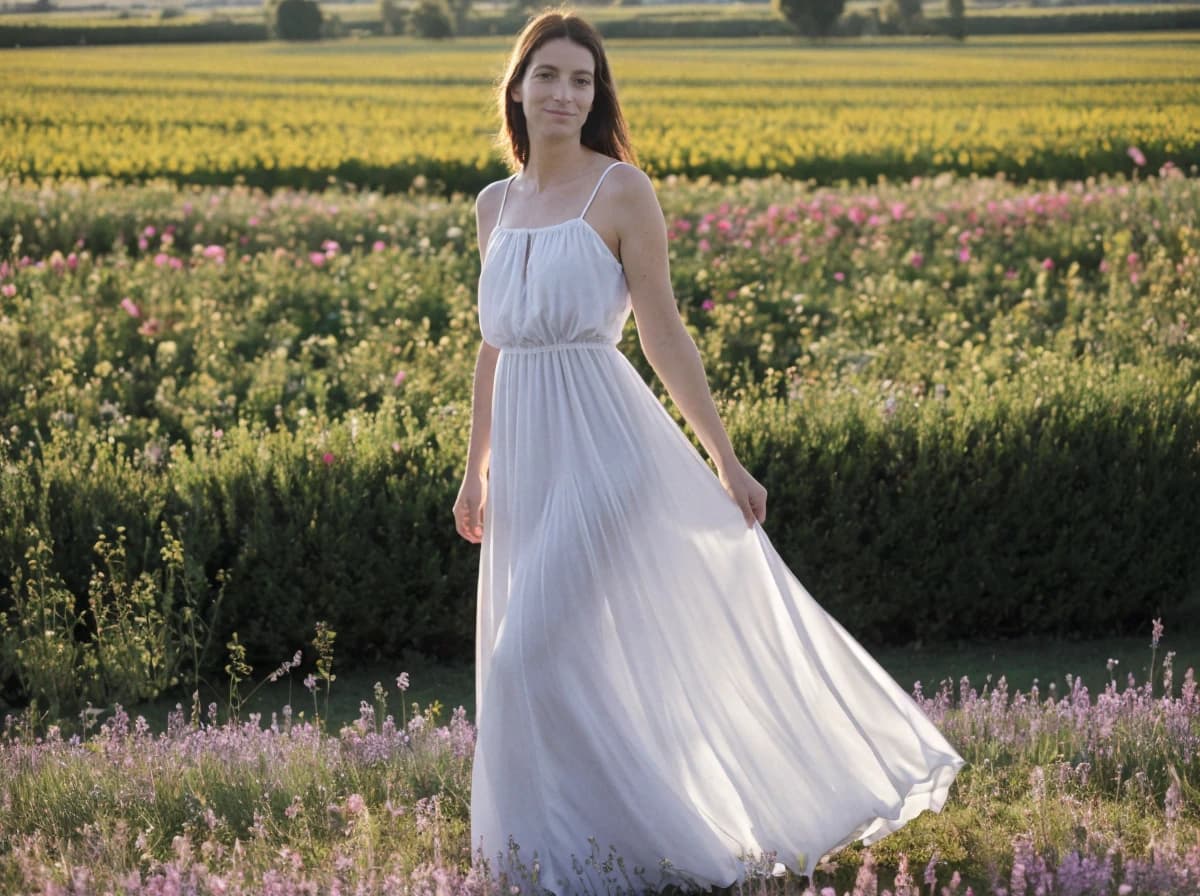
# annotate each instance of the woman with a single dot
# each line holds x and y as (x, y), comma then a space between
(653, 686)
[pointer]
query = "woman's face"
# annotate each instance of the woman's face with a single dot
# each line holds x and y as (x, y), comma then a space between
(557, 90)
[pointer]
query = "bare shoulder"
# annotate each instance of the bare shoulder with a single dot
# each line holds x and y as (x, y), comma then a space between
(487, 211)
(632, 186)
(487, 203)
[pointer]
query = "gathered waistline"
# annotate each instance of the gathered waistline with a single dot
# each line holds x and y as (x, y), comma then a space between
(555, 346)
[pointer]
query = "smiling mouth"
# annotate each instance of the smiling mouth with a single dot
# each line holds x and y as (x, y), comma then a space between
(563, 114)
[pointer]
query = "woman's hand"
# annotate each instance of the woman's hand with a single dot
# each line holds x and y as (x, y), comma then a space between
(468, 507)
(746, 491)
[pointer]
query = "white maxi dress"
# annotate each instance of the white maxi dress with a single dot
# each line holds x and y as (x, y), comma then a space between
(658, 698)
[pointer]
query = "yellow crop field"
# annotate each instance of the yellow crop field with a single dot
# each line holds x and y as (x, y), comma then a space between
(385, 111)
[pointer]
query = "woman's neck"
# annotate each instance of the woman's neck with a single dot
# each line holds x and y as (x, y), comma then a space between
(551, 166)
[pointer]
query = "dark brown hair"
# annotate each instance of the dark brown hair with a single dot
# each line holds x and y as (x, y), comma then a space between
(604, 130)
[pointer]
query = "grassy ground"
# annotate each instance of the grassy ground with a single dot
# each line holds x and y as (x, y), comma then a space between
(1021, 662)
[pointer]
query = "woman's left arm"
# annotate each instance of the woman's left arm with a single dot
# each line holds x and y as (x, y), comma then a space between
(666, 342)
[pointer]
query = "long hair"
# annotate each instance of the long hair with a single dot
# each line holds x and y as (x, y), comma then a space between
(604, 130)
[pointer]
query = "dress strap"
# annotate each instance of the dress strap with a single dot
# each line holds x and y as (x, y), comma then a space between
(504, 198)
(598, 183)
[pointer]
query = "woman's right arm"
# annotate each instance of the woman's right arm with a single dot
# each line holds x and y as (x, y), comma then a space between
(472, 495)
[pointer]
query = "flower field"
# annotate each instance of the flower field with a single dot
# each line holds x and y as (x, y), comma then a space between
(1065, 793)
(233, 412)
(957, 342)
(388, 112)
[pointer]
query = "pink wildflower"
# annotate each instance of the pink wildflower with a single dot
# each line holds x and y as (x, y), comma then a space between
(9, 290)
(317, 258)
(130, 308)
(839, 276)
(964, 254)
(327, 458)
(708, 304)
(1136, 154)
(917, 259)
(378, 246)
(1048, 264)
(399, 377)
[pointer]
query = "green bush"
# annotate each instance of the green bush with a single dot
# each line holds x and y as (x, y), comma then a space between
(431, 19)
(298, 20)
(393, 16)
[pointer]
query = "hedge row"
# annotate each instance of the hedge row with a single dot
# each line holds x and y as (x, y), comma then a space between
(1069, 511)
(636, 26)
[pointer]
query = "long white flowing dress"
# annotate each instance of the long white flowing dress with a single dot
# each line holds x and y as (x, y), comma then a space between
(652, 682)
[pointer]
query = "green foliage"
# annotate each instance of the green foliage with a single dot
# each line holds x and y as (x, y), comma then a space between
(925, 525)
(393, 16)
(956, 19)
(999, 439)
(814, 18)
(647, 22)
(903, 16)
(432, 19)
(127, 642)
(460, 14)
(297, 20)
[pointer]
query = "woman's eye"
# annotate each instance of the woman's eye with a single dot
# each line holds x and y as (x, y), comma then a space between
(582, 82)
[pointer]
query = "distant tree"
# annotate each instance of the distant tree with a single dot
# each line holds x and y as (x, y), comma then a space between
(298, 20)
(904, 16)
(815, 18)
(431, 18)
(956, 19)
(460, 11)
(394, 17)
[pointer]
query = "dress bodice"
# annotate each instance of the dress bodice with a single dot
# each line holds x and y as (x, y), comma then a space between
(545, 286)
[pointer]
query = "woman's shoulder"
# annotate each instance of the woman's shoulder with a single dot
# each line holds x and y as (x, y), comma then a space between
(488, 199)
(629, 186)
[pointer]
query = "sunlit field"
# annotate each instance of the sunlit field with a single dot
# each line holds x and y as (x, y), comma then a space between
(391, 111)
(947, 303)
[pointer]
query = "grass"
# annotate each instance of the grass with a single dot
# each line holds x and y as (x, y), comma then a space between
(1021, 662)
(1055, 799)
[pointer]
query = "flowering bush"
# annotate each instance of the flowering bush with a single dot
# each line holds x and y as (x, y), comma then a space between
(974, 403)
